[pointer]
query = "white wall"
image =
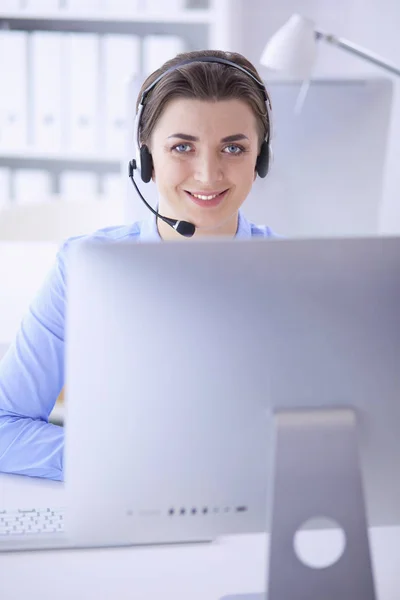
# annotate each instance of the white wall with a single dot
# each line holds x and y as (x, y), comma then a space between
(373, 24)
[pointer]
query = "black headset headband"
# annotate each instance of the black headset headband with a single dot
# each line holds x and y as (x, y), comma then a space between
(207, 59)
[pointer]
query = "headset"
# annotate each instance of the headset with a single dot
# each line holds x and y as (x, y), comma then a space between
(143, 161)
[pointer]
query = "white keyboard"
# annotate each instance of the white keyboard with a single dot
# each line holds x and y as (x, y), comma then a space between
(31, 521)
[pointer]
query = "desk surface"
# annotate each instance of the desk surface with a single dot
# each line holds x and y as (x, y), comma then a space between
(232, 565)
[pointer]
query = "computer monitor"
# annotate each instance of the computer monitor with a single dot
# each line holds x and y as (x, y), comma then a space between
(227, 386)
(327, 178)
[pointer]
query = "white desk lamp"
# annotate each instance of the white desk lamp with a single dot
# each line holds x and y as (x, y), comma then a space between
(293, 49)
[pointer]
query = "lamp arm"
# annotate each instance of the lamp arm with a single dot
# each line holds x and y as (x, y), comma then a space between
(354, 49)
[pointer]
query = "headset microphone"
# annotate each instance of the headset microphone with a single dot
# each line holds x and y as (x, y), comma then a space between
(183, 227)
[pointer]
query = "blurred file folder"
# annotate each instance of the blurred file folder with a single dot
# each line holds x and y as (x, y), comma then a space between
(121, 60)
(48, 74)
(31, 186)
(13, 91)
(121, 7)
(82, 6)
(113, 187)
(5, 187)
(82, 91)
(159, 48)
(78, 186)
(160, 5)
(10, 5)
(35, 6)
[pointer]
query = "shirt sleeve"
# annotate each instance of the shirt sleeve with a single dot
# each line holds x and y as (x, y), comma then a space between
(31, 378)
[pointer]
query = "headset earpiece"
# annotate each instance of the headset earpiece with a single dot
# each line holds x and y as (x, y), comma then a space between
(146, 164)
(263, 160)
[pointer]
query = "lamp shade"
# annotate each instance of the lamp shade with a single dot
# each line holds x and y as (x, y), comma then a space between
(292, 49)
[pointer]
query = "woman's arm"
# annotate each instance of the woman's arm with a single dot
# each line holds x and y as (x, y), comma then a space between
(31, 378)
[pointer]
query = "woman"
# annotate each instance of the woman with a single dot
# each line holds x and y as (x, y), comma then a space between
(203, 132)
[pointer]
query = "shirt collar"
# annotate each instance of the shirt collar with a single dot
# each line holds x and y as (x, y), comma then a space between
(149, 231)
(244, 228)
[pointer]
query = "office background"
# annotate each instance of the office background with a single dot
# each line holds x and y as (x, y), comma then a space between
(63, 112)
(66, 111)
(369, 23)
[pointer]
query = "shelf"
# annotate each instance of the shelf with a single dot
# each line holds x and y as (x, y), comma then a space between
(109, 22)
(26, 157)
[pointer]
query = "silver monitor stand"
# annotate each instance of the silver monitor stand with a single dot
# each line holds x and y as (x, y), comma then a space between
(317, 474)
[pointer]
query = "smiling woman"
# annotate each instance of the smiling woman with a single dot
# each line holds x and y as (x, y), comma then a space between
(201, 175)
(202, 132)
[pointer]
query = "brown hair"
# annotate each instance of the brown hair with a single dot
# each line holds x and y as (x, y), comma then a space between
(203, 81)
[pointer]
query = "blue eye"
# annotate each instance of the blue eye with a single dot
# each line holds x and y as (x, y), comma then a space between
(181, 148)
(236, 149)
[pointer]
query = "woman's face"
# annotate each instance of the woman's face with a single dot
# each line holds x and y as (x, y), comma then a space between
(204, 156)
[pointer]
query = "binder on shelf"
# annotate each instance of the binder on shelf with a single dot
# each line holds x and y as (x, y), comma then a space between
(82, 6)
(78, 186)
(120, 62)
(5, 187)
(36, 6)
(32, 186)
(121, 7)
(159, 48)
(14, 93)
(48, 91)
(160, 6)
(113, 187)
(11, 5)
(82, 93)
